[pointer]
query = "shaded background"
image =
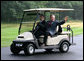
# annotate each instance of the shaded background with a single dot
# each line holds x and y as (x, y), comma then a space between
(11, 11)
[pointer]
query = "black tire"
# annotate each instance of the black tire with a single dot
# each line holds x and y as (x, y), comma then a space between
(28, 48)
(49, 50)
(64, 47)
(14, 49)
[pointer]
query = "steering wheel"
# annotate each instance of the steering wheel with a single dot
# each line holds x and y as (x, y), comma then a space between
(36, 28)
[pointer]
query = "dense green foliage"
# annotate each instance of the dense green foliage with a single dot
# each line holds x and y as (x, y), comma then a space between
(11, 11)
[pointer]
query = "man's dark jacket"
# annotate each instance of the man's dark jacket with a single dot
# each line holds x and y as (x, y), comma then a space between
(52, 25)
(41, 26)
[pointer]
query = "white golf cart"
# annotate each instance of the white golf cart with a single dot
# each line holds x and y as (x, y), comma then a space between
(27, 41)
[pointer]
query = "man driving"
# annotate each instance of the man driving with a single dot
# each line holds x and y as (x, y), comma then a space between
(41, 28)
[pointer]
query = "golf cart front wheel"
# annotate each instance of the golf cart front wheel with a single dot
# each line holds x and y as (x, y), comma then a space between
(29, 50)
(64, 47)
(14, 49)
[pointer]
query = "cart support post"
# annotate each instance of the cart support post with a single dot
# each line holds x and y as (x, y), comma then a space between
(21, 23)
(72, 36)
(68, 28)
(35, 20)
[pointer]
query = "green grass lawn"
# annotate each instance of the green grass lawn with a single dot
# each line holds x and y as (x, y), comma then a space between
(8, 34)
(10, 31)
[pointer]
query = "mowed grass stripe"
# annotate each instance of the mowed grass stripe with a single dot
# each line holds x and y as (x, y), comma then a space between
(9, 32)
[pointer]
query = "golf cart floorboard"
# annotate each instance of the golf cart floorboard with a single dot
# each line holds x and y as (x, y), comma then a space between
(50, 46)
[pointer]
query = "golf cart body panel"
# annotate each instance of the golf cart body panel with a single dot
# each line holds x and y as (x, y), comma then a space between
(55, 40)
(25, 36)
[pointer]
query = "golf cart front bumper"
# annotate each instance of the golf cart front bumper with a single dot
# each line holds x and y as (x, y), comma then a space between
(22, 43)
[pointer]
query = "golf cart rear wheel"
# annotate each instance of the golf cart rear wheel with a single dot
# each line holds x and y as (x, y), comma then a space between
(30, 49)
(14, 49)
(64, 47)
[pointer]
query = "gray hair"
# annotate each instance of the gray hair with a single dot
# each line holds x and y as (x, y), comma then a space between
(52, 15)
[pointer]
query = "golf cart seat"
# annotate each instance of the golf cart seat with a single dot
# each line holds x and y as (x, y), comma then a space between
(62, 33)
(55, 39)
(59, 32)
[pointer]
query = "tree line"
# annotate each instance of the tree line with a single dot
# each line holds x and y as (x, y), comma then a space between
(11, 11)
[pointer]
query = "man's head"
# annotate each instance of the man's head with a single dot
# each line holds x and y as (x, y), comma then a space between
(52, 17)
(42, 17)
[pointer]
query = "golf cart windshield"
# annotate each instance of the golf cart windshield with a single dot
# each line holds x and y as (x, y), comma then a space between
(27, 23)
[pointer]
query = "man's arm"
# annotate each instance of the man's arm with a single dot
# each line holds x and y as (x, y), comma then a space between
(66, 18)
(37, 26)
(62, 22)
(43, 25)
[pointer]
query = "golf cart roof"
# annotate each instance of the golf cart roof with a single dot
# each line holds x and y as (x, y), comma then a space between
(47, 9)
